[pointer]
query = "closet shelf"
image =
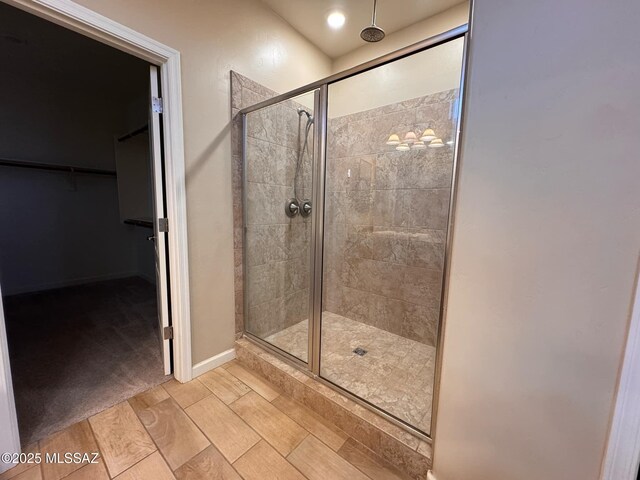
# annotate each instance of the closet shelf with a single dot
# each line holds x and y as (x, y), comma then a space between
(139, 222)
(7, 162)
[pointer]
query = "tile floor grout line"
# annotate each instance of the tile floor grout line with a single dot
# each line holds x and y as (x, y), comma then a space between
(259, 377)
(106, 467)
(263, 438)
(356, 466)
(214, 393)
(305, 437)
(176, 400)
(309, 433)
(82, 467)
(95, 439)
(130, 467)
(198, 427)
(154, 440)
(250, 426)
(303, 427)
(332, 450)
(211, 444)
(232, 411)
(281, 456)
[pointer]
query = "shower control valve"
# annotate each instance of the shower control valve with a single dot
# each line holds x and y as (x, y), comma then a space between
(305, 209)
(291, 207)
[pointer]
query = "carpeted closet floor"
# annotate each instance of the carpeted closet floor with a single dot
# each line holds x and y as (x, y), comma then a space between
(76, 351)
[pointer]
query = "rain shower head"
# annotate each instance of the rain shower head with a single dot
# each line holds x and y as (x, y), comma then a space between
(372, 33)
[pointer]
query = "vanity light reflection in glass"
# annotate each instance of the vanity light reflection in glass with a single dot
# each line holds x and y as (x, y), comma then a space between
(410, 141)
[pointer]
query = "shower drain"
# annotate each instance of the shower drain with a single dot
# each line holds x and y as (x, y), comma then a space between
(360, 351)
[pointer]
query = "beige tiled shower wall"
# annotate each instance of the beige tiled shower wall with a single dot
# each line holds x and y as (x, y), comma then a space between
(386, 217)
(278, 246)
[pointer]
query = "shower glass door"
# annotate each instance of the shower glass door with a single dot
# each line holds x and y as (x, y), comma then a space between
(391, 135)
(278, 158)
(347, 200)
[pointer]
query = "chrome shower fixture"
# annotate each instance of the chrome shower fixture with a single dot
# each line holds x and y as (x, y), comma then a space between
(372, 33)
(302, 111)
(293, 207)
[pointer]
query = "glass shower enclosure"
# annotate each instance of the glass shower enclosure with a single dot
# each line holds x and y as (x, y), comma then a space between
(347, 192)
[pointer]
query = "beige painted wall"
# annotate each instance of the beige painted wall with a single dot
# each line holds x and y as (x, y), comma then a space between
(429, 72)
(451, 18)
(546, 241)
(425, 73)
(215, 36)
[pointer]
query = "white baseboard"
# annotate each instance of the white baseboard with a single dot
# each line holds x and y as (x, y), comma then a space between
(430, 475)
(213, 362)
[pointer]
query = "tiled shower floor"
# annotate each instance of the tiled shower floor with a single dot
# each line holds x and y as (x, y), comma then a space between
(396, 374)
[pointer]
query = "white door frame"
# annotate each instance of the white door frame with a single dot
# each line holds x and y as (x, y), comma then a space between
(91, 24)
(623, 448)
(159, 239)
(10, 438)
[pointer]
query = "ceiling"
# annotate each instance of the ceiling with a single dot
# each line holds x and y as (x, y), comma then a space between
(309, 17)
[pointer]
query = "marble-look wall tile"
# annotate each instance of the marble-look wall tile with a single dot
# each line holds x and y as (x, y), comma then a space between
(261, 168)
(427, 208)
(277, 256)
(390, 246)
(287, 128)
(415, 170)
(423, 251)
(266, 204)
(358, 207)
(385, 211)
(389, 210)
(358, 241)
(338, 133)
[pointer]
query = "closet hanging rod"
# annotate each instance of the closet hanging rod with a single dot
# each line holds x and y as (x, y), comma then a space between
(7, 162)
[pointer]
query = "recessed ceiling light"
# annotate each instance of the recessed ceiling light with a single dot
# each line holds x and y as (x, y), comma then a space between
(336, 20)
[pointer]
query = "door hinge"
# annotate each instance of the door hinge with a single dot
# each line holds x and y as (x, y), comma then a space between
(167, 333)
(163, 224)
(157, 105)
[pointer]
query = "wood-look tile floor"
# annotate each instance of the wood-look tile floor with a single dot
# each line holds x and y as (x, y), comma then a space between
(228, 424)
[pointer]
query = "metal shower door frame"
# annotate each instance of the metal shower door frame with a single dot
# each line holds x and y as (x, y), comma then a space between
(320, 87)
(317, 230)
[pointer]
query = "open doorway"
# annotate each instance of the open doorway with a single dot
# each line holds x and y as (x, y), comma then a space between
(82, 253)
